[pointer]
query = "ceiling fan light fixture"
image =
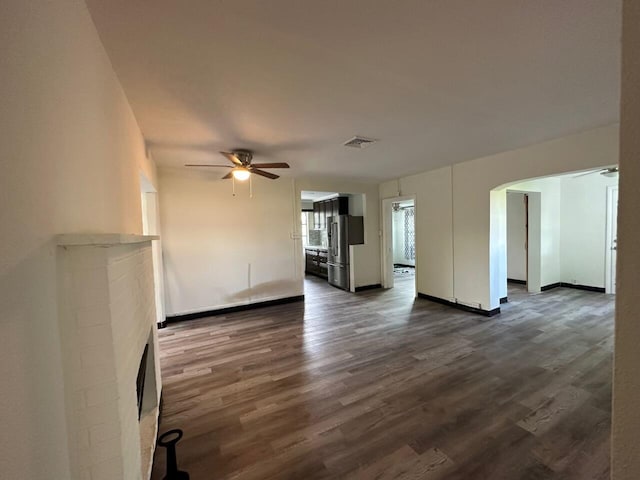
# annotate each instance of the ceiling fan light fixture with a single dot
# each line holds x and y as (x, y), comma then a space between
(241, 174)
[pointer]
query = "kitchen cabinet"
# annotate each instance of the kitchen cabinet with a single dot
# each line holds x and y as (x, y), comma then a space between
(334, 208)
(317, 215)
(323, 215)
(340, 206)
(316, 261)
(324, 209)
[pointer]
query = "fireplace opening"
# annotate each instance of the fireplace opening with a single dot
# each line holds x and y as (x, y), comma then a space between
(148, 395)
(140, 380)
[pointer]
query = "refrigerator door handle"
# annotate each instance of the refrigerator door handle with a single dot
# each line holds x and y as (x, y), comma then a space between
(331, 264)
(334, 238)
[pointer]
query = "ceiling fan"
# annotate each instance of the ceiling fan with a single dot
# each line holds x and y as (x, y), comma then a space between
(242, 168)
(607, 172)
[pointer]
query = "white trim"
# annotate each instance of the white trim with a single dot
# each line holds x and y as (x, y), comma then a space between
(609, 235)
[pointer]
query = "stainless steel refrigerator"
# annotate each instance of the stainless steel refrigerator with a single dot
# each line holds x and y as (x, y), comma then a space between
(343, 230)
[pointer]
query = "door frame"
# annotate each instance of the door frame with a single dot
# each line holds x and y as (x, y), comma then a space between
(387, 239)
(151, 226)
(525, 198)
(610, 236)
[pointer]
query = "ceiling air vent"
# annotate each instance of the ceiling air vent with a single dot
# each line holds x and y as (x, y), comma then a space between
(359, 142)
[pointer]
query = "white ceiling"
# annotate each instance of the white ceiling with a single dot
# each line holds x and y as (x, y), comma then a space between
(436, 81)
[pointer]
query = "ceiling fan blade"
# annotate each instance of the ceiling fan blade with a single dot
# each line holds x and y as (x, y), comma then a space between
(227, 176)
(206, 165)
(272, 176)
(232, 158)
(610, 172)
(270, 165)
(591, 172)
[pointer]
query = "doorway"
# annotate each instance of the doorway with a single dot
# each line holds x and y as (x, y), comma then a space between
(332, 228)
(399, 243)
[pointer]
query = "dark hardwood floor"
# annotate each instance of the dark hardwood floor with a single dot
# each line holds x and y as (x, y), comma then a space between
(376, 385)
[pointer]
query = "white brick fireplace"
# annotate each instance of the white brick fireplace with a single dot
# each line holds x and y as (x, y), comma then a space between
(107, 317)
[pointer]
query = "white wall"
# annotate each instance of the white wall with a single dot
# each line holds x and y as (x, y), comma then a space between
(593, 148)
(516, 236)
(454, 216)
(573, 228)
(220, 250)
(626, 381)
(550, 228)
(70, 153)
(498, 234)
(584, 222)
(433, 228)
(571, 236)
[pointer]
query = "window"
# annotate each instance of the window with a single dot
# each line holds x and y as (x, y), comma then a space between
(304, 230)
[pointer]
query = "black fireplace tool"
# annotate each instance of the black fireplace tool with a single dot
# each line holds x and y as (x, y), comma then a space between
(168, 440)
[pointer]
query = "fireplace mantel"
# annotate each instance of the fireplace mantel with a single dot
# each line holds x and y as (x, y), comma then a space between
(102, 239)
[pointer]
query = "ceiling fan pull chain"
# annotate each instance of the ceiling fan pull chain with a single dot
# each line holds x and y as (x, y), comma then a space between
(250, 187)
(233, 182)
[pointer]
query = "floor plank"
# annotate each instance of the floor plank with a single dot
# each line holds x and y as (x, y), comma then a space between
(378, 385)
